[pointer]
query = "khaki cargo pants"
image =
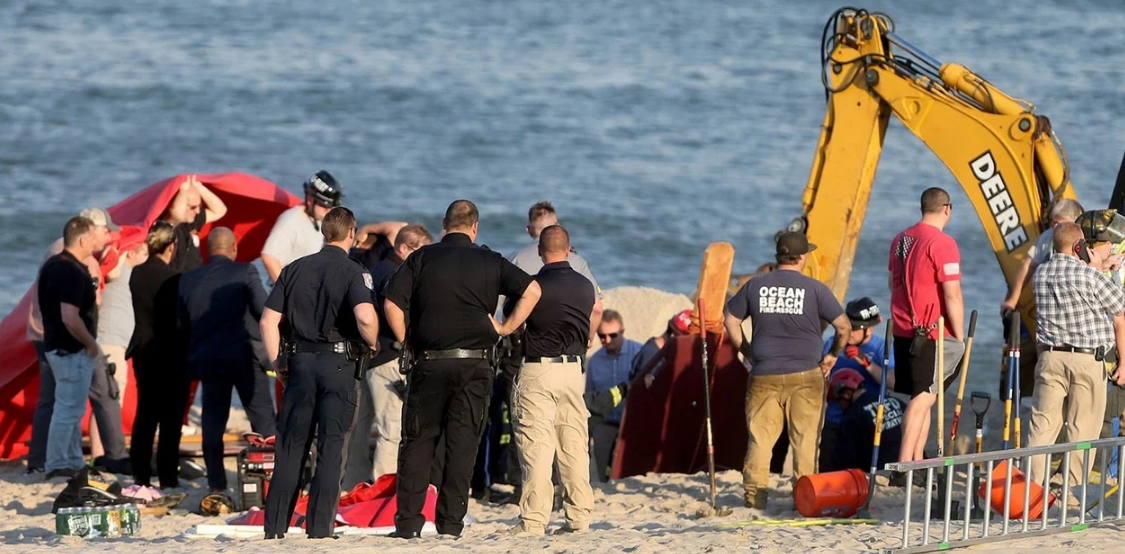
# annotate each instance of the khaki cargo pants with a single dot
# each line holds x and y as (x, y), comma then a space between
(771, 401)
(1069, 387)
(550, 419)
(387, 425)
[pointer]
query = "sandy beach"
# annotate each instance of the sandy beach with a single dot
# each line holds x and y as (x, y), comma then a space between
(647, 514)
(641, 515)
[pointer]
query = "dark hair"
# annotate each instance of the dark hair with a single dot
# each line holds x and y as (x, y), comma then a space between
(75, 228)
(539, 210)
(414, 236)
(555, 239)
(160, 236)
(461, 214)
(934, 200)
(338, 222)
(613, 315)
(786, 259)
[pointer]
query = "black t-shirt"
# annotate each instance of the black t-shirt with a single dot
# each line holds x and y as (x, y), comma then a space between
(64, 279)
(786, 309)
(316, 295)
(857, 433)
(381, 275)
(449, 289)
(560, 323)
(156, 336)
(372, 257)
(188, 256)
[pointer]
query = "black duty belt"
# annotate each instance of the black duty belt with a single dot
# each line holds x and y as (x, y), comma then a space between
(318, 347)
(453, 354)
(553, 360)
(1068, 348)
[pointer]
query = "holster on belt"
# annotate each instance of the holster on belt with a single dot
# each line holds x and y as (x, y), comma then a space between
(405, 358)
(358, 353)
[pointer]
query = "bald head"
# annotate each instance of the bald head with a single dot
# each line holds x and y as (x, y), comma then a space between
(221, 242)
(554, 244)
(1066, 236)
(460, 216)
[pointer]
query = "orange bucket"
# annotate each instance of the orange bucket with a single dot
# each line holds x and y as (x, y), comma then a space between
(1019, 482)
(833, 494)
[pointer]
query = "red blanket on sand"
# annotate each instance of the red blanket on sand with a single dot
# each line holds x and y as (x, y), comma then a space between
(366, 505)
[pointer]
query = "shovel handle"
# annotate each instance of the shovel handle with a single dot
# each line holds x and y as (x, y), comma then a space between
(702, 319)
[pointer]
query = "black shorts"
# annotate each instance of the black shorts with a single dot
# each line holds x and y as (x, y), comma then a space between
(916, 364)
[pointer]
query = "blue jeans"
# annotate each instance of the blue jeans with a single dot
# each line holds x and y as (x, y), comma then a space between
(44, 406)
(73, 374)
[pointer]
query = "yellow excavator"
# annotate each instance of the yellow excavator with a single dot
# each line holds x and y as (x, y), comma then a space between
(1004, 155)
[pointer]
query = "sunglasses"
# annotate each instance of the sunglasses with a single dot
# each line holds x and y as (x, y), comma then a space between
(610, 336)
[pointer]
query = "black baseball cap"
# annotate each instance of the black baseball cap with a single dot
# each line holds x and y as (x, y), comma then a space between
(792, 243)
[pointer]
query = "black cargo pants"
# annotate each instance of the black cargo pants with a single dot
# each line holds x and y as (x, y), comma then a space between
(320, 400)
(443, 398)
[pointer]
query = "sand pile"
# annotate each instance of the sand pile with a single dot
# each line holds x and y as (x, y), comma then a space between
(646, 310)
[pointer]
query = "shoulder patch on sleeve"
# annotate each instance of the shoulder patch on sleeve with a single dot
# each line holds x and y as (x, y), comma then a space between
(368, 281)
(951, 268)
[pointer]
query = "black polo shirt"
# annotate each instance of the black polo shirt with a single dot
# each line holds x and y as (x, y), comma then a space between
(450, 288)
(316, 295)
(64, 279)
(381, 274)
(560, 323)
(372, 257)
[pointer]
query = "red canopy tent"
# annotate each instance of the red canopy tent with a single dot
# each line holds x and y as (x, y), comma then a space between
(253, 205)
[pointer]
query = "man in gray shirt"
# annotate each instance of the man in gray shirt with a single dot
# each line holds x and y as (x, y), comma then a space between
(539, 217)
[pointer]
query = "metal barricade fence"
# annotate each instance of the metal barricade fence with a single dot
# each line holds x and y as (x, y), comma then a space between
(936, 534)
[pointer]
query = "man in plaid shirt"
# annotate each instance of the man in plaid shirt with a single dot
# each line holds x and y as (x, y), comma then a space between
(1081, 315)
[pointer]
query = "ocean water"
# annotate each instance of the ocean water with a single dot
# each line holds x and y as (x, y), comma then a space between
(656, 127)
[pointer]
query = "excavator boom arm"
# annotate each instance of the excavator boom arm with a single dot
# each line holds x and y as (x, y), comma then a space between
(1005, 157)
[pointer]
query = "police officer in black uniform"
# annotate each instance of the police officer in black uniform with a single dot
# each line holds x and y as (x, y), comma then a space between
(325, 300)
(450, 289)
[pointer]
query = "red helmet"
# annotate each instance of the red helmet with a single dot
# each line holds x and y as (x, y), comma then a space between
(843, 379)
(680, 323)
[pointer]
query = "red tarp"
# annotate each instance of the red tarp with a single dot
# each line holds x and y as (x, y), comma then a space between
(253, 205)
(663, 428)
(367, 505)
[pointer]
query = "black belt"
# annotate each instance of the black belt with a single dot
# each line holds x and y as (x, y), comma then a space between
(553, 360)
(1068, 348)
(318, 347)
(453, 354)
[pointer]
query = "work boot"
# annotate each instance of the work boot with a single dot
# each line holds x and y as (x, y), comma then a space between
(567, 529)
(757, 501)
(274, 536)
(523, 529)
(406, 535)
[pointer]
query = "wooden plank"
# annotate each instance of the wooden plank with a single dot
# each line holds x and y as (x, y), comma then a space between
(714, 279)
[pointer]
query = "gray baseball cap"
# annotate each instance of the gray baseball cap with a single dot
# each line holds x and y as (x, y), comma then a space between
(100, 217)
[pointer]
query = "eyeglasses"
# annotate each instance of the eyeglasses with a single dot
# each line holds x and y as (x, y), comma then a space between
(610, 336)
(950, 204)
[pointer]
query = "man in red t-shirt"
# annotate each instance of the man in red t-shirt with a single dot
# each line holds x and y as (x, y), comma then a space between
(925, 281)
